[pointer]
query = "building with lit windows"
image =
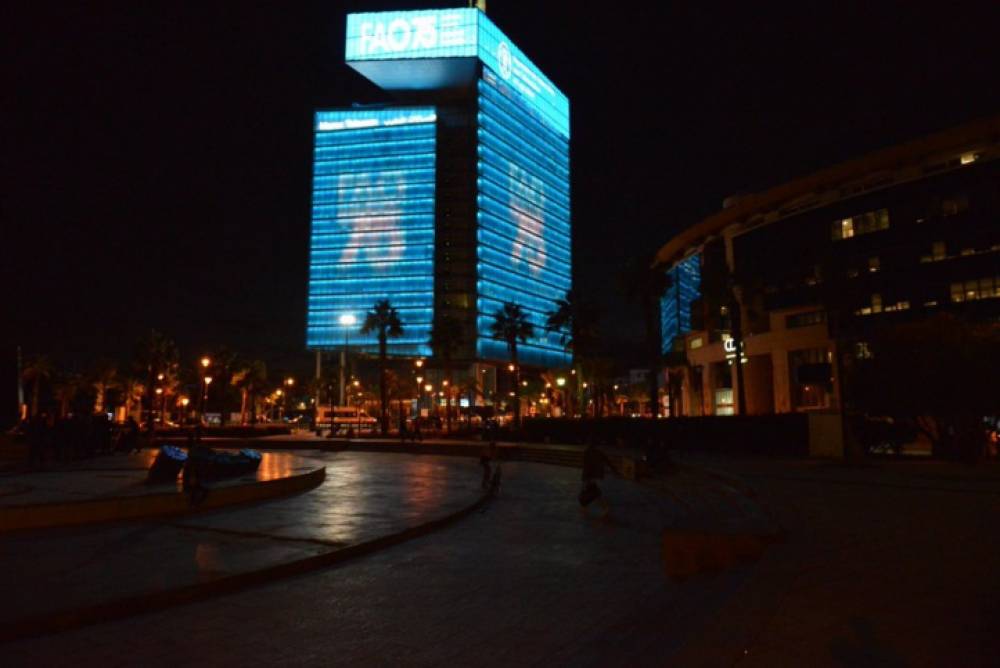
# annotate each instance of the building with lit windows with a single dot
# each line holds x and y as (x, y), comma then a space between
(451, 199)
(896, 235)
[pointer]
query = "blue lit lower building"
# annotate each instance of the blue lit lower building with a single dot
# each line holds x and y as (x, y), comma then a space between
(451, 200)
(675, 307)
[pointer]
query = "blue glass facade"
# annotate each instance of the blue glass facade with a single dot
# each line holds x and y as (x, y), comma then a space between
(372, 224)
(422, 50)
(675, 308)
(523, 219)
(450, 207)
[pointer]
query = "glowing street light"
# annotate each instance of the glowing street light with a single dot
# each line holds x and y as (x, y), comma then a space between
(347, 320)
(560, 381)
(206, 362)
(418, 363)
(428, 388)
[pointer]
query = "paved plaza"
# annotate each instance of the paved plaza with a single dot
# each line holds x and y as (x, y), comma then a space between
(529, 580)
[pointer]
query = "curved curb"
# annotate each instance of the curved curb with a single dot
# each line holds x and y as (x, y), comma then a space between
(151, 506)
(107, 611)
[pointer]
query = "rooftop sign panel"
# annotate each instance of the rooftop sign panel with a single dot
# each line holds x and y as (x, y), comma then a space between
(426, 50)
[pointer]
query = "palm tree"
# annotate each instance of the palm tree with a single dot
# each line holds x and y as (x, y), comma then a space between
(645, 285)
(446, 338)
(511, 324)
(154, 354)
(384, 321)
(250, 379)
(226, 362)
(134, 389)
(104, 376)
(39, 370)
(576, 323)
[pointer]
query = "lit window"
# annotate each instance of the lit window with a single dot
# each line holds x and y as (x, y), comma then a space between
(968, 158)
(876, 303)
(932, 302)
(938, 250)
(852, 273)
(865, 223)
(956, 293)
(696, 343)
(862, 350)
(954, 205)
(873, 264)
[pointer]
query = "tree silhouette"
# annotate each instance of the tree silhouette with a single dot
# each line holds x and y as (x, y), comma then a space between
(576, 321)
(510, 325)
(645, 285)
(39, 370)
(154, 354)
(384, 321)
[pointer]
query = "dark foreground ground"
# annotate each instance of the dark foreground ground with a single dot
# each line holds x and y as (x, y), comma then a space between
(877, 567)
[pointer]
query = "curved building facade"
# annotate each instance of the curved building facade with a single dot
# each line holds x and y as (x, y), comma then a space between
(897, 235)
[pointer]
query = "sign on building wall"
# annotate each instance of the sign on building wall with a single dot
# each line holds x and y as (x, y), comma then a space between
(450, 34)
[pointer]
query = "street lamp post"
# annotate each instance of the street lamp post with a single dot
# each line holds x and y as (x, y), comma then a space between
(346, 321)
(289, 382)
(205, 363)
(204, 397)
(163, 403)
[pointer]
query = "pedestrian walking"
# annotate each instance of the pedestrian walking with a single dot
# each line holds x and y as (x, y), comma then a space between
(486, 459)
(594, 462)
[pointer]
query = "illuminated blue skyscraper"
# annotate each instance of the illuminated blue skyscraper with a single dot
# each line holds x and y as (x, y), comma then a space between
(452, 201)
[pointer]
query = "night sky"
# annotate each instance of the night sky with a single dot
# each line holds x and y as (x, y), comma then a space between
(156, 156)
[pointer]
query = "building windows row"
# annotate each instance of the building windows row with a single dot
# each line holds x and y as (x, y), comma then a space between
(805, 319)
(865, 223)
(877, 306)
(968, 291)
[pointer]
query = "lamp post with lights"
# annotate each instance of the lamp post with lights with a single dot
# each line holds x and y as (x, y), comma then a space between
(205, 363)
(347, 321)
(289, 382)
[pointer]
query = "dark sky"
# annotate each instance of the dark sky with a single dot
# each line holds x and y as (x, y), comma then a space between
(156, 156)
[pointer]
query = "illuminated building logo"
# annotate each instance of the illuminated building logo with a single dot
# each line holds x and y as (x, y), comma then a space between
(504, 59)
(526, 203)
(373, 206)
(411, 33)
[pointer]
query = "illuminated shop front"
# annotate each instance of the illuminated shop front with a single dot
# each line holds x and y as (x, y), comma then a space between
(450, 204)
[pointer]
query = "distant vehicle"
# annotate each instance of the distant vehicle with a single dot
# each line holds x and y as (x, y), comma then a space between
(344, 417)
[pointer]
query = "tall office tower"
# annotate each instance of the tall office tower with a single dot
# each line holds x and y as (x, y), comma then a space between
(452, 199)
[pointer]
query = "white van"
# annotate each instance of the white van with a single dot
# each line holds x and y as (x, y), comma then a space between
(344, 417)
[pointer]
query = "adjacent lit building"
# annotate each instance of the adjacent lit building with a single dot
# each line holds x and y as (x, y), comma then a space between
(900, 234)
(450, 200)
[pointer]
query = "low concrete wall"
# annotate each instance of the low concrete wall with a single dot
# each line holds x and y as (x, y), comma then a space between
(124, 508)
